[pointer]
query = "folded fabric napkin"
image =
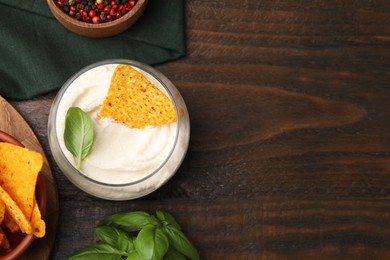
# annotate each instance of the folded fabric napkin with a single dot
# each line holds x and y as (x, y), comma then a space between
(38, 54)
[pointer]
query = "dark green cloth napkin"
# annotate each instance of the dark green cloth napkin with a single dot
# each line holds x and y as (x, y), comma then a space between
(37, 54)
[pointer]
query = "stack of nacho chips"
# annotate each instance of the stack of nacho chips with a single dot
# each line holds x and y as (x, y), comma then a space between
(135, 102)
(19, 211)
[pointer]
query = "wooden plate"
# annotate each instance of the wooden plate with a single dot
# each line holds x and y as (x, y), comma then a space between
(13, 123)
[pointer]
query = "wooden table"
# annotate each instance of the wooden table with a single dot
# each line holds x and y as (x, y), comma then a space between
(289, 156)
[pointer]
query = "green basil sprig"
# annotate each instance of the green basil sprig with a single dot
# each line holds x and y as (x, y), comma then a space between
(139, 236)
(79, 134)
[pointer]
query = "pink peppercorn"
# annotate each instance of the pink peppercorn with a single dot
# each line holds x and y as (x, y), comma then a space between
(96, 19)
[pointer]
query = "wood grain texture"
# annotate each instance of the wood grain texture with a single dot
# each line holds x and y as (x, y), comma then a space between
(13, 123)
(289, 157)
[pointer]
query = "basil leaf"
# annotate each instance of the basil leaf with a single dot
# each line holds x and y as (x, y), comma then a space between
(114, 237)
(101, 251)
(167, 218)
(151, 243)
(173, 254)
(79, 134)
(129, 221)
(180, 242)
(134, 256)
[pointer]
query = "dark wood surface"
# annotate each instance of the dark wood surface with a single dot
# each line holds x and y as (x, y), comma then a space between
(289, 156)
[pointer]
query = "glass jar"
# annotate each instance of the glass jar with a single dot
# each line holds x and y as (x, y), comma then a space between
(127, 163)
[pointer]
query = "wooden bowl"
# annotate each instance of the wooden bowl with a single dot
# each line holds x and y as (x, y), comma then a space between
(19, 241)
(100, 30)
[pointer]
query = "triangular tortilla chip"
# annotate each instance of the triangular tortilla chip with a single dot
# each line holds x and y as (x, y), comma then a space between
(2, 211)
(10, 223)
(15, 212)
(37, 224)
(19, 168)
(134, 101)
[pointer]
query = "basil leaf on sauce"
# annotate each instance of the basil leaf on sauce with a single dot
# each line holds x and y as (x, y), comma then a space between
(79, 134)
